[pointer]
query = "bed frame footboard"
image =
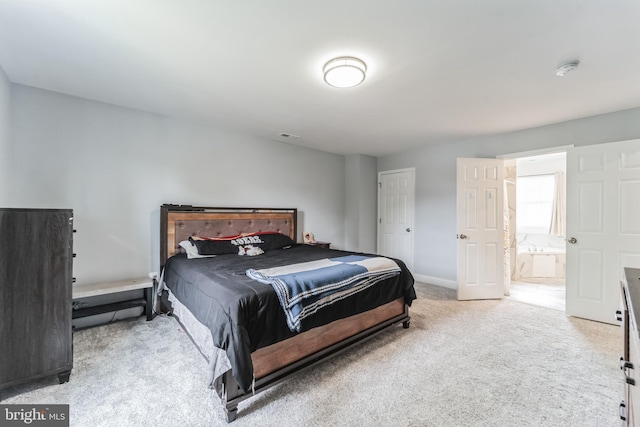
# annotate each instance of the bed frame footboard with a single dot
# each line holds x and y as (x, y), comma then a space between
(231, 394)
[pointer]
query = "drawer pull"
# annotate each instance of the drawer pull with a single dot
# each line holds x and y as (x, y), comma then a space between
(618, 315)
(630, 380)
(622, 410)
(625, 364)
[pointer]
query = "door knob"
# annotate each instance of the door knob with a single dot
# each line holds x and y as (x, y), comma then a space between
(408, 230)
(573, 240)
(623, 411)
(464, 236)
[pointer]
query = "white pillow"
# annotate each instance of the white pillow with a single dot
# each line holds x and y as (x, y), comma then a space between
(192, 250)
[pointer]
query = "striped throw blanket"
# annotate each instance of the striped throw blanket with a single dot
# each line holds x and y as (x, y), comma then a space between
(306, 287)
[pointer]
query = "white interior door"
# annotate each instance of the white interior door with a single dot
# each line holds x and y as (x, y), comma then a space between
(480, 228)
(396, 193)
(603, 225)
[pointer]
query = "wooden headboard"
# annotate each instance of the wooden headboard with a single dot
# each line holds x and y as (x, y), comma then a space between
(179, 222)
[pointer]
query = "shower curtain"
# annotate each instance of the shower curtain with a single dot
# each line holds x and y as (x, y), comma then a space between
(559, 210)
(507, 240)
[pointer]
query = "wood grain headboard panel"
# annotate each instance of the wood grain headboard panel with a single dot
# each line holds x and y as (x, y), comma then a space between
(179, 222)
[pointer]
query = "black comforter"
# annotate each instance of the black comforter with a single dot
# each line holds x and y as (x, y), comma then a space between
(245, 315)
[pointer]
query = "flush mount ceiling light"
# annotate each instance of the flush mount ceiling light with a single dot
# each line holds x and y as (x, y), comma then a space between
(345, 71)
(567, 67)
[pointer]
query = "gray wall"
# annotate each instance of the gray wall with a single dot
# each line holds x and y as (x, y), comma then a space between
(435, 208)
(361, 202)
(115, 167)
(5, 139)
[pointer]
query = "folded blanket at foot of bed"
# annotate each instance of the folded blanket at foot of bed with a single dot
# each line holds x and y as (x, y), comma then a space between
(306, 287)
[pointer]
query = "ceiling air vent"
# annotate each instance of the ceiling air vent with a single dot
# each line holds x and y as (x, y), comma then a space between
(288, 136)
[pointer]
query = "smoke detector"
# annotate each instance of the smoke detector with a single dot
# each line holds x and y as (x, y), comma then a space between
(567, 67)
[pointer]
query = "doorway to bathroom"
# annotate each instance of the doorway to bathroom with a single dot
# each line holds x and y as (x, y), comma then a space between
(536, 197)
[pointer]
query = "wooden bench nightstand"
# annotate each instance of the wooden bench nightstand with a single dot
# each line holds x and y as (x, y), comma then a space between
(96, 289)
(325, 245)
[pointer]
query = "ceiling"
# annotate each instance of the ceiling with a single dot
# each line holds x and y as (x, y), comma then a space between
(438, 70)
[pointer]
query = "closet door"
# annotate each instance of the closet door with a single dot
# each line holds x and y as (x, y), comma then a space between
(35, 284)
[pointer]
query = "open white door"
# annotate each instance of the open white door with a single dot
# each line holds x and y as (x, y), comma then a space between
(480, 229)
(396, 193)
(603, 226)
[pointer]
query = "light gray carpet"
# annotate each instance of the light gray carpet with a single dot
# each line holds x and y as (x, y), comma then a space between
(479, 363)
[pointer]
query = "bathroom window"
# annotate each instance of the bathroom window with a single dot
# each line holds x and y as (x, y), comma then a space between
(534, 203)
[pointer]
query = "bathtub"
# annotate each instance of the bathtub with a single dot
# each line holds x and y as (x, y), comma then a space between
(540, 262)
(536, 250)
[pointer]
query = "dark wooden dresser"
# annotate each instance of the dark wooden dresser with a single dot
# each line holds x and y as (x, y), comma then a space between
(630, 361)
(36, 257)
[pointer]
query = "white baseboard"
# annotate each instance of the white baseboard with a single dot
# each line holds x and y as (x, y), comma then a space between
(445, 283)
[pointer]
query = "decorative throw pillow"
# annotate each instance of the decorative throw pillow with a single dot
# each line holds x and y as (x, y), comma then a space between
(208, 246)
(266, 241)
(192, 250)
(249, 250)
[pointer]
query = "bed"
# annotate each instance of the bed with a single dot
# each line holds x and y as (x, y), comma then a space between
(242, 316)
